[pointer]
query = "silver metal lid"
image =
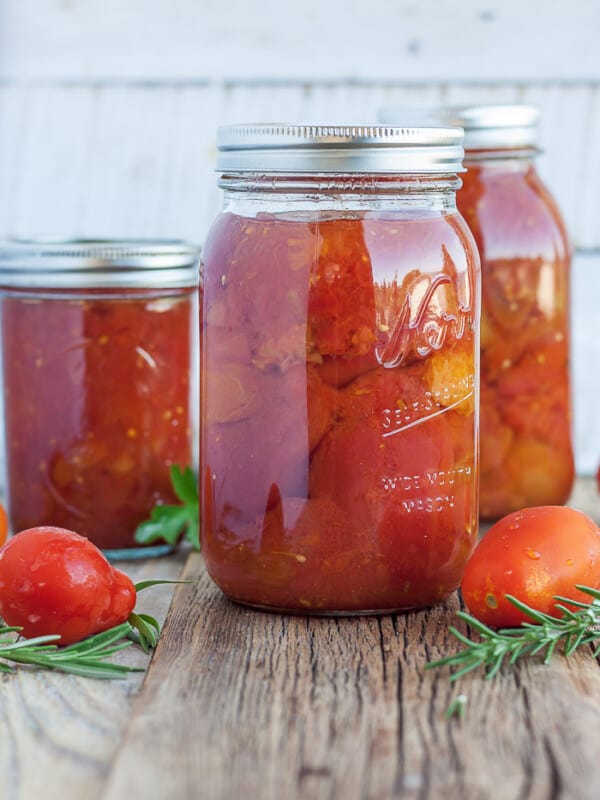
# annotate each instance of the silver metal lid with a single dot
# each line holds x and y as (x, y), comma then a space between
(343, 149)
(82, 263)
(486, 127)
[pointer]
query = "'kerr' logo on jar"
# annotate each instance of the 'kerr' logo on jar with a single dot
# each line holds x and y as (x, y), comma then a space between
(415, 320)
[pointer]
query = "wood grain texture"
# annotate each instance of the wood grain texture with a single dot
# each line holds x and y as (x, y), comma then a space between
(384, 40)
(59, 733)
(241, 704)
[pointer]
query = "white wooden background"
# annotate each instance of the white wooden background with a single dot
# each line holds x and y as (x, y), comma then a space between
(108, 108)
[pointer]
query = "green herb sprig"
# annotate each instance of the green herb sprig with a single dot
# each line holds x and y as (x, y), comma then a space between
(86, 658)
(168, 522)
(541, 636)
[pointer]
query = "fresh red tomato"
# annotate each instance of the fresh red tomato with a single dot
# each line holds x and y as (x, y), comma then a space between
(53, 581)
(3, 525)
(533, 554)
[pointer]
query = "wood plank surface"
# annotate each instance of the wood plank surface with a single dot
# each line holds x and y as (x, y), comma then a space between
(59, 733)
(243, 704)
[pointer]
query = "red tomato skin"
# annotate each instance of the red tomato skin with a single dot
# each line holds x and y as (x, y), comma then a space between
(53, 581)
(532, 554)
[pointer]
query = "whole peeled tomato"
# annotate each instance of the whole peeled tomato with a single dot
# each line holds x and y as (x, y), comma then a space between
(53, 581)
(532, 554)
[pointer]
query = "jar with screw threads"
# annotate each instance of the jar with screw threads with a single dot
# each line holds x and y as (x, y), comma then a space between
(339, 375)
(526, 438)
(98, 366)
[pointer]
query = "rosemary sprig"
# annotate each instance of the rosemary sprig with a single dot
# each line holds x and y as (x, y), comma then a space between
(86, 658)
(541, 636)
(168, 522)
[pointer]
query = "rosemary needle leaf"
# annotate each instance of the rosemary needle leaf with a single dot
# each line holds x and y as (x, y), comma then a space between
(495, 667)
(116, 648)
(595, 593)
(90, 668)
(457, 707)
(470, 665)
(566, 612)
(537, 648)
(473, 622)
(25, 643)
(97, 670)
(147, 584)
(568, 644)
(144, 630)
(517, 653)
(550, 651)
(151, 621)
(532, 613)
(568, 600)
(577, 640)
(460, 636)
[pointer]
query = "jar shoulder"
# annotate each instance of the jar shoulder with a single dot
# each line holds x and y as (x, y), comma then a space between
(512, 214)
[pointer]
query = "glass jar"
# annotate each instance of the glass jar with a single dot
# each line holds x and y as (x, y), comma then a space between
(97, 346)
(526, 446)
(339, 376)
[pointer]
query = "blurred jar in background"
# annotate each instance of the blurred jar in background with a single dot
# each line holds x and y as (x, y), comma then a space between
(526, 448)
(339, 379)
(98, 370)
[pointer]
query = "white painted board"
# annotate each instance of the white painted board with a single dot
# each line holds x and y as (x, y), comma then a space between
(123, 160)
(383, 40)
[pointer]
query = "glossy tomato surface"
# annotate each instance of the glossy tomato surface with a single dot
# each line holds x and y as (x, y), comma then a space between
(53, 581)
(532, 554)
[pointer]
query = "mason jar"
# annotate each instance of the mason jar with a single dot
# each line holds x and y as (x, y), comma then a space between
(526, 444)
(98, 369)
(339, 381)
